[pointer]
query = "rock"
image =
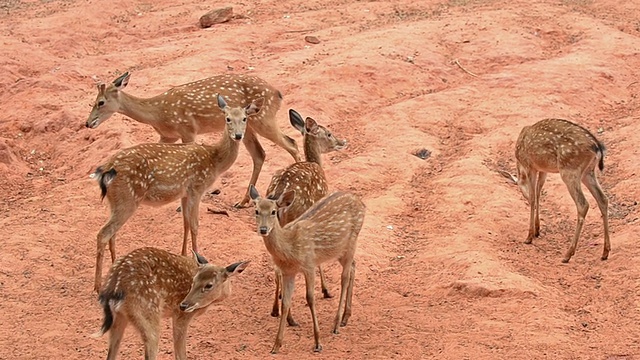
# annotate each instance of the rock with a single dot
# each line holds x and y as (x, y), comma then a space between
(216, 16)
(311, 39)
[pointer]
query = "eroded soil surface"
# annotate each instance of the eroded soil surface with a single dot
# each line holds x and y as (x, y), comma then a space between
(442, 268)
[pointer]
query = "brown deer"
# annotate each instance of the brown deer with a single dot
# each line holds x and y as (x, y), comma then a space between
(560, 146)
(308, 182)
(328, 230)
(148, 284)
(190, 109)
(157, 174)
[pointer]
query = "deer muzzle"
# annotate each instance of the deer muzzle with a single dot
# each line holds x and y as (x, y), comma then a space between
(186, 307)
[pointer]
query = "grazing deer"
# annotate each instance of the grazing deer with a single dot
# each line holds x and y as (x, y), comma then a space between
(157, 174)
(308, 182)
(190, 109)
(328, 230)
(552, 146)
(148, 284)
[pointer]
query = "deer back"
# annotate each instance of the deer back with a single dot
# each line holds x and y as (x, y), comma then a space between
(553, 144)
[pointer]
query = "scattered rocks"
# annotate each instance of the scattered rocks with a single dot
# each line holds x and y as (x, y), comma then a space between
(423, 154)
(216, 16)
(311, 39)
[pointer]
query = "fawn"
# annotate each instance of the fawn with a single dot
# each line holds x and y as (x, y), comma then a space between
(148, 284)
(184, 111)
(308, 182)
(328, 230)
(157, 174)
(556, 145)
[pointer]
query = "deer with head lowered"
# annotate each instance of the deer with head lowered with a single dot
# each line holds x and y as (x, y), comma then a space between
(328, 230)
(190, 109)
(560, 146)
(157, 174)
(148, 284)
(308, 182)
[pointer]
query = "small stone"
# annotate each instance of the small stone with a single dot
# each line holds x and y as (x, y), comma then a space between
(422, 154)
(216, 16)
(311, 39)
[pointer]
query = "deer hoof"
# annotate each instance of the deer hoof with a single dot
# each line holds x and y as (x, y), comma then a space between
(317, 348)
(326, 294)
(275, 313)
(529, 240)
(604, 257)
(566, 260)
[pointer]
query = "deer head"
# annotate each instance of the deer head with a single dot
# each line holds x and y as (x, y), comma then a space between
(236, 118)
(267, 209)
(324, 139)
(210, 284)
(107, 102)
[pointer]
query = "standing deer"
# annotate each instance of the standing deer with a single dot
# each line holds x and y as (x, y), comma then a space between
(148, 284)
(556, 145)
(328, 230)
(308, 182)
(157, 174)
(190, 109)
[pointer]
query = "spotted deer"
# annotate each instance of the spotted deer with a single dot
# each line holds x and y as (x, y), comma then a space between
(560, 146)
(149, 284)
(307, 180)
(328, 230)
(157, 174)
(184, 111)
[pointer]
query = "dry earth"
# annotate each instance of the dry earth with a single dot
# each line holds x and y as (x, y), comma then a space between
(442, 268)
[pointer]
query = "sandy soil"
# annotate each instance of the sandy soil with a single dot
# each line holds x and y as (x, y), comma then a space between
(442, 268)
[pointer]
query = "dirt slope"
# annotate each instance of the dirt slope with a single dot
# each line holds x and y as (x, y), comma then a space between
(442, 268)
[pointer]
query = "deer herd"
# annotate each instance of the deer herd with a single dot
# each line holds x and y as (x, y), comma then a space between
(302, 224)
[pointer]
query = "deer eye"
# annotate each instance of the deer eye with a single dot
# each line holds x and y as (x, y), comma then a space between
(273, 212)
(329, 135)
(257, 212)
(100, 103)
(228, 120)
(208, 287)
(244, 120)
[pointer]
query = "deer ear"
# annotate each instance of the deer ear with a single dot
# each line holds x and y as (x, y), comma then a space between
(102, 87)
(311, 126)
(296, 120)
(122, 81)
(200, 260)
(254, 107)
(253, 193)
(510, 178)
(221, 103)
(286, 199)
(237, 268)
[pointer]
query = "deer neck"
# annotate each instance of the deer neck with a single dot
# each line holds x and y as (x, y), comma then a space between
(146, 111)
(225, 152)
(277, 243)
(312, 151)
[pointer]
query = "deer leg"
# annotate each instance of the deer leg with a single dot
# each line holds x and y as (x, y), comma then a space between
(347, 307)
(119, 215)
(148, 325)
(591, 182)
(344, 284)
(309, 280)
(323, 285)
(180, 327)
(572, 180)
(288, 283)
(533, 193)
(542, 176)
(115, 335)
(190, 206)
(275, 310)
(184, 204)
(257, 156)
(112, 248)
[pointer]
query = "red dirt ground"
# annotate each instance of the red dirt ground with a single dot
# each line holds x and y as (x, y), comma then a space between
(442, 268)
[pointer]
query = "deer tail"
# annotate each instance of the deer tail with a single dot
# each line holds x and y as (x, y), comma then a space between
(600, 150)
(104, 178)
(110, 301)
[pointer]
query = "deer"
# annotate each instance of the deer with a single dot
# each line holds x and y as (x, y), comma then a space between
(149, 284)
(307, 180)
(187, 110)
(327, 231)
(157, 174)
(560, 146)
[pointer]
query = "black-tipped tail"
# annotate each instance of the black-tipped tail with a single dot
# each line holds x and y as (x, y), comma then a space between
(600, 150)
(107, 299)
(104, 179)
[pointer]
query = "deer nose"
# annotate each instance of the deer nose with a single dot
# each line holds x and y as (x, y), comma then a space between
(184, 306)
(238, 136)
(263, 230)
(86, 124)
